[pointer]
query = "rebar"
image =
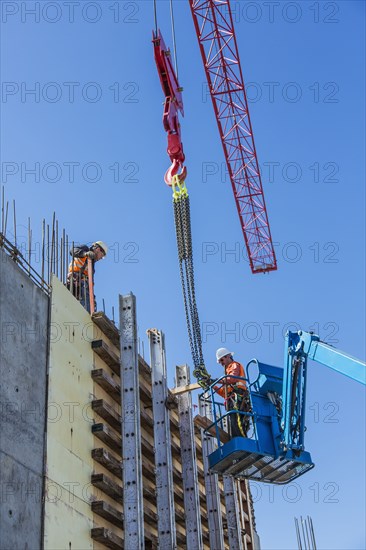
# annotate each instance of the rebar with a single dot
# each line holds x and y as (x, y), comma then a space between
(15, 225)
(305, 536)
(43, 243)
(2, 209)
(57, 251)
(29, 243)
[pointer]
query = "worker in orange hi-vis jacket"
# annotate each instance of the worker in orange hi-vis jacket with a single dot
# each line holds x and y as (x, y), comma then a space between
(78, 277)
(234, 391)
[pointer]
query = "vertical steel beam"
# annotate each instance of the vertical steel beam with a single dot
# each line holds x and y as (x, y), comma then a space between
(189, 464)
(133, 524)
(162, 446)
(242, 513)
(249, 510)
(213, 501)
(232, 514)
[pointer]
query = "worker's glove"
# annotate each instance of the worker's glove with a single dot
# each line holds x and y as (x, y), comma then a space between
(90, 254)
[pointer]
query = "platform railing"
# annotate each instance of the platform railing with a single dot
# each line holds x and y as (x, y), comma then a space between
(217, 406)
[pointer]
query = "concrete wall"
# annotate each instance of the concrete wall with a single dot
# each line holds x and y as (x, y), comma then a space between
(23, 363)
(68, 515)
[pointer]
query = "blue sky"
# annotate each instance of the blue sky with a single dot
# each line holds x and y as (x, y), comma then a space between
(98, 104)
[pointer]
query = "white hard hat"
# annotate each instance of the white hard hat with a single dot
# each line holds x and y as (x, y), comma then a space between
(101, 245)
(221, 352)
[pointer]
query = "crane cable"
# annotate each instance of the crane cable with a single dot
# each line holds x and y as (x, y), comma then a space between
(174, 40)
(155, 19)
(172, 22)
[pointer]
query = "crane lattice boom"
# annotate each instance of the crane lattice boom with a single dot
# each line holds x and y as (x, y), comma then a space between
(216, 35)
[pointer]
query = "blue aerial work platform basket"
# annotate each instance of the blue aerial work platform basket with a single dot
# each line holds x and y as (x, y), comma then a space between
(262, 455)
(273, 450)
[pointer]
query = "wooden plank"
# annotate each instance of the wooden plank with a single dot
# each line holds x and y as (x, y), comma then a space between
(114, 419)
(144, 368)
(107, 383)
(107, 537)
(108, 486)
(106, 326)
(145, 392)
(112, 489)
(150, 516)
(108, 512)
(101, 407)
(105, 434)
(105, 352)
(204, 422)
(184, 389)
(110, 438)
(103, 457)
(148, 421)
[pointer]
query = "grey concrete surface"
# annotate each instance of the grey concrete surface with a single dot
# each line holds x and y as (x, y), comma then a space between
(23, 363)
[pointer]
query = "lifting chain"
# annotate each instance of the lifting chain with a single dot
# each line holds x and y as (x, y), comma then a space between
(182, 218)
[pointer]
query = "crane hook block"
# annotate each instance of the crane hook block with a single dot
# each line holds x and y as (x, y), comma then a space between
(173, 105)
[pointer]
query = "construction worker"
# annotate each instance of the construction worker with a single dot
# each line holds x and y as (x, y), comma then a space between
(78, 278)
(234, 391)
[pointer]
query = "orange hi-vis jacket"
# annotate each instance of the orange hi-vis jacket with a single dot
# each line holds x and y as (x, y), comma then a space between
(79, 264)
(79, 259)
(233, 369)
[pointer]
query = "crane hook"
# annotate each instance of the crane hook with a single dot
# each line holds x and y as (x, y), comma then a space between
(173, 170)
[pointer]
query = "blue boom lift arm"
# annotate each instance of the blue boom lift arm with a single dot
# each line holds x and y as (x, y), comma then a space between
(274, 451)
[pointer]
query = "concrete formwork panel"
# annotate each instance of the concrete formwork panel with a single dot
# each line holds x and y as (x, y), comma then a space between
(23, 365)
(68, 516)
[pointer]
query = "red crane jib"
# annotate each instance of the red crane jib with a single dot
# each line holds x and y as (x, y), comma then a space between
(173, 98)
(214, 25)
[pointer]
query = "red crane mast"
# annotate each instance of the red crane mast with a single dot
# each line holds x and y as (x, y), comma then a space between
(216, 36)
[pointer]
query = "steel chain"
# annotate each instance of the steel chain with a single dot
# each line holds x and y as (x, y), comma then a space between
(184, 243)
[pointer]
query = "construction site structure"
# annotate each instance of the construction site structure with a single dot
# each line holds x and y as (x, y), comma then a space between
(95, 450)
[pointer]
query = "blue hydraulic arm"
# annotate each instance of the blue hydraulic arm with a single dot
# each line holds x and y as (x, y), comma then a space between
(301, 346)
(331, 357)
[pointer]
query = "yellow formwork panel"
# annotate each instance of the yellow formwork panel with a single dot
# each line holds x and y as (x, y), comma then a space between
(68, 515)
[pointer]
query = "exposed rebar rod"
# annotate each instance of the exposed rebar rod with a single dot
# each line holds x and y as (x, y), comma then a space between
(52, 270)
(2, 209)
(311, 526)
(29, 242)
(307, 534)
(43, 245)
(298, 534)
(15, 225)
(48, 254)
(57, 250)
(6, 217)
(67, 257)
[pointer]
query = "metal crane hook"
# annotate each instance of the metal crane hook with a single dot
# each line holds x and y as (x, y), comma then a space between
(173, 170)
